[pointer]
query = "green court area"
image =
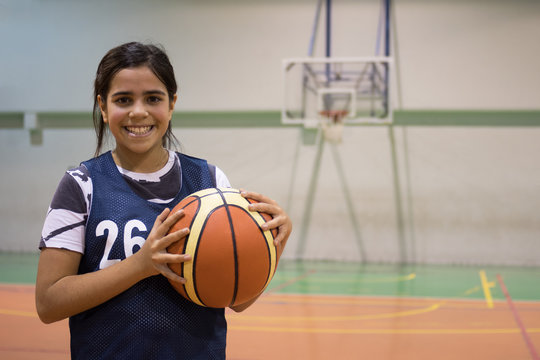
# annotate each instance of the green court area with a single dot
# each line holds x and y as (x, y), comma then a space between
(18, 268)
(358, 279)
(439, 281)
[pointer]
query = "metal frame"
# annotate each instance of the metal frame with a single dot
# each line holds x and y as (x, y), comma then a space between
(387, 64)
(350, 93)
(368, 83)
(383, 35)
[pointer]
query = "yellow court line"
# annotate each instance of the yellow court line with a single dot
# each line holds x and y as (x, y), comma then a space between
(449, 304)
(283, 299)
(273, 318)
(486, 285)
(17, 313)
(472, 290)
(326, 279)
(294, 299)
(383, 331)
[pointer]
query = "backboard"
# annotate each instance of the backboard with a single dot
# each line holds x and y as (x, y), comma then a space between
(357, 88)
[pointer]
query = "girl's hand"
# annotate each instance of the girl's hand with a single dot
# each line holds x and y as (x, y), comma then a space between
(154, 251)
(280, 219)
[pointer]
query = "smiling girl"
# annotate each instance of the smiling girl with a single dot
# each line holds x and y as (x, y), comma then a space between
(103, 259)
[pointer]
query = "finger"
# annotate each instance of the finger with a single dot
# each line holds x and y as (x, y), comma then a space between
(169, 274)
(161, 217)
(279, 238)
(168, 258)
(159, 220)
(174, 217)
(268, 208)
(275, 223)
(251, 195)
(173, 237)
(161, 227)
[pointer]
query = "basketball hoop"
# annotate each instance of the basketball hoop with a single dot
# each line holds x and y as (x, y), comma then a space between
(359, 85)
(332, 125)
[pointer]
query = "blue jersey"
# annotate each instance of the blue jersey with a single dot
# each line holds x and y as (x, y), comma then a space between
(150, 320)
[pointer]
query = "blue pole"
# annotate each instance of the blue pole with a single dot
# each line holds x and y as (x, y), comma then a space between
(328, 35)
(387, 29)
(328, 26)
(314, 30)
(386, 53)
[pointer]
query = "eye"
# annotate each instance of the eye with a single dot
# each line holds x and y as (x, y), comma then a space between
(154, 99)
(123, 100)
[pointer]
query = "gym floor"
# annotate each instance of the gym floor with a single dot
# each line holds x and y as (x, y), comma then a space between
(336, 310)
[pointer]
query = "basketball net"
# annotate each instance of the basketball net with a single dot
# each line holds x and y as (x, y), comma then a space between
(332, 125)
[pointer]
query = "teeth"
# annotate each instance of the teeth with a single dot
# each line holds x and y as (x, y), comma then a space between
(138, 130)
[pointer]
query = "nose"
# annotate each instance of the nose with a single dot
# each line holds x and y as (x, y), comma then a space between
(138, 111)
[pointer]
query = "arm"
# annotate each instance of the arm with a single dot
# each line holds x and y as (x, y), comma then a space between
(61, 292)
(280, 220)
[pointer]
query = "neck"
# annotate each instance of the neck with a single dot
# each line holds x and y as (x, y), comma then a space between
(147, 162)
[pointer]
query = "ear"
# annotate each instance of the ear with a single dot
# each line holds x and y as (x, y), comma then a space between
(102, 108)
(171, 105)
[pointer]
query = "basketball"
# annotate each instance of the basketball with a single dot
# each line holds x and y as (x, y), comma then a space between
(233, 259)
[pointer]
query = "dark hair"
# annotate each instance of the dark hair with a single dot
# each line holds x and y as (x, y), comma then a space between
(131, 55)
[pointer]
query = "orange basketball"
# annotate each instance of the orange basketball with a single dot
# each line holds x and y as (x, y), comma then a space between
(233, 259)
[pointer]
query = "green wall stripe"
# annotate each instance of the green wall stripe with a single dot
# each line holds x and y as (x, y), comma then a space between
(467, 117)
(246, 119)
(228, 119)
(11, 120)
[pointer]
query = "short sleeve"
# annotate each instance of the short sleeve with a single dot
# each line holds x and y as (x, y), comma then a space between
(221, 179)
(65, 223)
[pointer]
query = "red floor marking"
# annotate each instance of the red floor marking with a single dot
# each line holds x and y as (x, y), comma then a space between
(291, 281)
(524, 333)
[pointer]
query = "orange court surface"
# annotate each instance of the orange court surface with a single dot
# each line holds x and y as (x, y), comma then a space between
(332, 310)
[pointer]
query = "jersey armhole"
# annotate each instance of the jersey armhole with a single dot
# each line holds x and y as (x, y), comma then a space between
(212, 169)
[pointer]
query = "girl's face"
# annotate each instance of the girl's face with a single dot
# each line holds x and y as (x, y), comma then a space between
(138, 111)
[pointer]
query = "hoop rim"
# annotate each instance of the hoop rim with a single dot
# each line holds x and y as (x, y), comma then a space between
(335, 115)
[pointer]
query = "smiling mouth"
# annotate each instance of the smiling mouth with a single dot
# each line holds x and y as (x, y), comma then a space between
(139, 130)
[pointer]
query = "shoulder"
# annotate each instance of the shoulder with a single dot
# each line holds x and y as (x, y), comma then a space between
(73, 191)
(217, 174)
(65, 221)
(101, 164)
(188, 158)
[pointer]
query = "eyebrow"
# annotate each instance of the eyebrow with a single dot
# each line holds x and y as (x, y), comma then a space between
(149, 92)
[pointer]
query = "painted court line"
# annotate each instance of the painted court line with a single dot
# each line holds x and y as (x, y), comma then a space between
(524, 333)
(290, 282)
(17, 313)
(271, 323)
(362, 280)
(371, 331)
(486, 285)
(284, 319)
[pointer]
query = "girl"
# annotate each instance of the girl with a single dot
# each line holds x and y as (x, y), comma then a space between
(103, 259)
